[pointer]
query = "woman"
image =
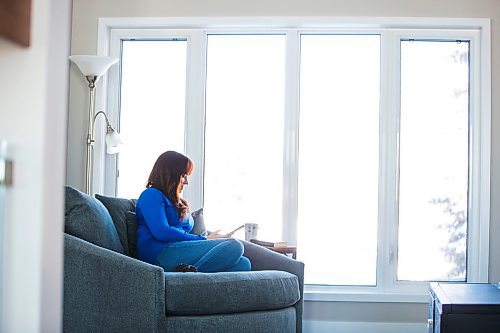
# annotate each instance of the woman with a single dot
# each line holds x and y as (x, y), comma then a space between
(164, 223)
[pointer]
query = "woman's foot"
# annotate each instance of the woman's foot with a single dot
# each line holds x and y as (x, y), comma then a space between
(185, 268)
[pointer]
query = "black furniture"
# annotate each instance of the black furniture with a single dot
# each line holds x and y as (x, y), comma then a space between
(464, 308)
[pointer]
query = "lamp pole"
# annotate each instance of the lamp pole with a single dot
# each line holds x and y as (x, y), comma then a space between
(113, 140)
(90, 141)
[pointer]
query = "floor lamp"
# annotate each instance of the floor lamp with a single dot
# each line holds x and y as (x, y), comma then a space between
(93, 67)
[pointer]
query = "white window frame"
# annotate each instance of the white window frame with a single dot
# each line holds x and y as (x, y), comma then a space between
(391, 30)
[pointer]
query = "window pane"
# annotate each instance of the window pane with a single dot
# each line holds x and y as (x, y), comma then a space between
(244, 132)
(433, 160)
(153, 92)
(339, 158)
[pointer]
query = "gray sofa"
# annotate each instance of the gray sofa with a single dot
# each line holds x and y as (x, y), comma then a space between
(107, 290)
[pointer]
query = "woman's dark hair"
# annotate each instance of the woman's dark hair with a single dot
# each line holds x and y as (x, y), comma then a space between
(166, 176)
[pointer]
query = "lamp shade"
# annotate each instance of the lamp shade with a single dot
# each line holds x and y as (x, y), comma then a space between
(92, 65)
(113, 142)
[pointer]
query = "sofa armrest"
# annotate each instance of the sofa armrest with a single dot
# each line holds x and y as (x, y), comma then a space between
(265, 259)
(105, 291)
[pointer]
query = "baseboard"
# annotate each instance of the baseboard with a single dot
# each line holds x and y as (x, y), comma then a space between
(313, 326)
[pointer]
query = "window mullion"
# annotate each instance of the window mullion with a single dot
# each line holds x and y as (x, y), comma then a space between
(388, 173)
(111, 164)
(291, 139)
(479, 166)
(195, 115)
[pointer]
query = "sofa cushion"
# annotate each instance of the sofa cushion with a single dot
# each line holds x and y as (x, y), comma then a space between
(231, 292)
(199, 227)
(132, 234)
(117, 208)
(88, 219)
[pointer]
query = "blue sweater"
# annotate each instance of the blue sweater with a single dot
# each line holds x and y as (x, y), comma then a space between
(159, 224)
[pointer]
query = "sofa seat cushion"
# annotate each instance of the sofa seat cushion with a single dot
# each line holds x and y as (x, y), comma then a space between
(87, 218)
(190, 294)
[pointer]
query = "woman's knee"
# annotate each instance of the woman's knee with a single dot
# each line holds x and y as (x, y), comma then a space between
(234, 246)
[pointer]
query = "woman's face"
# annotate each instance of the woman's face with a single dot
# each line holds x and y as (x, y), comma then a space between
(183, 182)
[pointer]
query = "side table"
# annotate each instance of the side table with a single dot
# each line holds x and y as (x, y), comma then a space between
(464, 308)
(285, 250)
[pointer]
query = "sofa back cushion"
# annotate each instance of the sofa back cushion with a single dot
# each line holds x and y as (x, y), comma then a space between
(132, 234)
(118, 208)
(88, 219)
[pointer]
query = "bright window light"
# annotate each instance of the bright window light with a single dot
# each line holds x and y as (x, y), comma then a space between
(339, 158)
(244, 132)
(152, 114)
(434, 155)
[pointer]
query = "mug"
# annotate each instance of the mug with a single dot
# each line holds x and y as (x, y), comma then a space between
(251, 231)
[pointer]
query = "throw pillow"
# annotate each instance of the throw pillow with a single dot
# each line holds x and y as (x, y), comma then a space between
(199, 227)
(117, 208)
(132, 233)
(87, 218)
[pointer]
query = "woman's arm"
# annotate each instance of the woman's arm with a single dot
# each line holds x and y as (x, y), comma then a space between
(153, 207)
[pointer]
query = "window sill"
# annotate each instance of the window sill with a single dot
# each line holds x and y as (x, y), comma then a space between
(332, 294)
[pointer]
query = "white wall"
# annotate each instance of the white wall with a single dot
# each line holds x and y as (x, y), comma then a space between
(362, 327)
(33, 109)
(84, 41)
